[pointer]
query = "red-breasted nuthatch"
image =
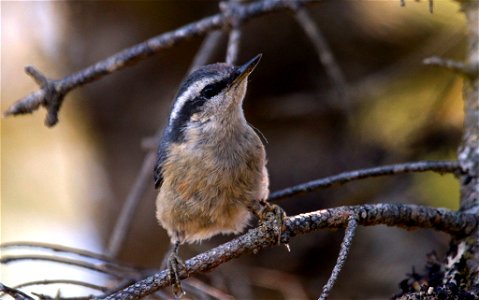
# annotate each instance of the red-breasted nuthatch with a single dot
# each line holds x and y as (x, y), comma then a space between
(211, 167)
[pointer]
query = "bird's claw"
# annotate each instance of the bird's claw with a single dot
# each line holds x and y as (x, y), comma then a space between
(174, 262)
(274, 216)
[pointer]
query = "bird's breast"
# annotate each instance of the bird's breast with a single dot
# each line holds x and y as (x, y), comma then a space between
(209, 185)
(211, 166)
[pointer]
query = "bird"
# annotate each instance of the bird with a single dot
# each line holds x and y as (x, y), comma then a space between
(211, 164)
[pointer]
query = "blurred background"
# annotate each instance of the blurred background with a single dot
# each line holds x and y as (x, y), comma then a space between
(66, 184)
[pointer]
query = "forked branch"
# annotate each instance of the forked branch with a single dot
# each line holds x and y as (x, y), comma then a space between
(399, 215)
(52, 92)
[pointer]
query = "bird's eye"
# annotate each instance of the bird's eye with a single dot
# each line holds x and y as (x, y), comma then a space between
(213, 89)
(210, 91)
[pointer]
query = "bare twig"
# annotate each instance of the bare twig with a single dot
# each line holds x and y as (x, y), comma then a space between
(129, 208)
(343, 254)
(52, 92)
(108, 262)
(342, 178)
(63, 281)
(112, 270)
(14, 293)
(323, 50)
(469, 70)
(400, 215)
(41, 296)
(229, 10)
(233, 46)
(307, 104)
(206, 49)
(59, 249)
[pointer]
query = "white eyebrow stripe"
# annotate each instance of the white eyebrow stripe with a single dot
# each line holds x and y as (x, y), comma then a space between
(193, 89)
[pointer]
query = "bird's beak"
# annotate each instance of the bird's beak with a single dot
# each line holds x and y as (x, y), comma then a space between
(242, 72)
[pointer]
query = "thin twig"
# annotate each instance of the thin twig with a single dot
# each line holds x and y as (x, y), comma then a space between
(207, 48)
(325, 55)
(63, 281)
(229, 10)
(130, 206)
(14, 293)
(366, 88)
(400, 215)
(112, 270)
(52, 92)
(233, 46)
(342, 178)
(59, 249)
(41, 296)
(343, 254)
(471, 71)
(107, 261)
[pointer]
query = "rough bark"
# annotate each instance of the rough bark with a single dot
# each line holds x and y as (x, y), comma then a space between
(468, 153)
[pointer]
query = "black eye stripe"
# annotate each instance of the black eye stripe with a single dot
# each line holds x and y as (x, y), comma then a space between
(213, 89)
(192, 106)
(209, 91)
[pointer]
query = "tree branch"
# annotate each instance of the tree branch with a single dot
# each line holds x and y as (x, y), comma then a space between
(342, 178)
(130, 205)
(52, 92)
(14, 293)
(234, 38)
(325, 55)
(64, 281)
(61, 249)
(105, 268)
(206, 49)
(399, 215)
(343, 254)
(468, 70)
(468, 152)
(233, 46)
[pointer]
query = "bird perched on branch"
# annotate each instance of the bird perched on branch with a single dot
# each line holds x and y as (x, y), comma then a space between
(211, 168)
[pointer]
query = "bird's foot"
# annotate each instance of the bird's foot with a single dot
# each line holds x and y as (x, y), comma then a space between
(274, 216)
(174, 265)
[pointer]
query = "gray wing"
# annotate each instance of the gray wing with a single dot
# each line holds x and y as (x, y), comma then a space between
(160, 160)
